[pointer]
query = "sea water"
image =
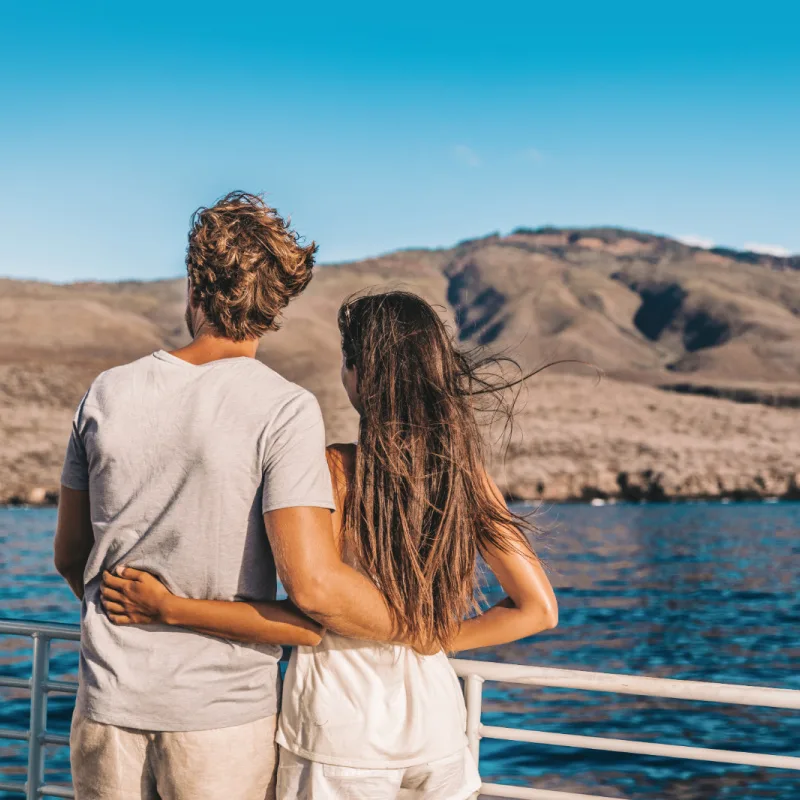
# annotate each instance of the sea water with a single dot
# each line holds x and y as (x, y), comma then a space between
(699, 591)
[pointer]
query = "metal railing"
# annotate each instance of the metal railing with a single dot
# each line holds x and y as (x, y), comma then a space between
(474, 673)
(40, 686)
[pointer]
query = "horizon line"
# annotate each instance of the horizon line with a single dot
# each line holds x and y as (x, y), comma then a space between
(542, 229)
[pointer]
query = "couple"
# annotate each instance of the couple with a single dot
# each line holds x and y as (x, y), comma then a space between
(192, 476)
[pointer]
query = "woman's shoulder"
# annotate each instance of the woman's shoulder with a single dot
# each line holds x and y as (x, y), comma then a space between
(342, 455)
(342, 464)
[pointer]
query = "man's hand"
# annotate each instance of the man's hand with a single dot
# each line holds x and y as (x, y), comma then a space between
(133, 597)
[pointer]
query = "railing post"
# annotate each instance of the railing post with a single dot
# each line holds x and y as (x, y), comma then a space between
(41, 666)
(473, 696)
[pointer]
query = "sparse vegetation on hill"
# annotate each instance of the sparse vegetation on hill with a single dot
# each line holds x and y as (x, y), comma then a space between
(701, 349)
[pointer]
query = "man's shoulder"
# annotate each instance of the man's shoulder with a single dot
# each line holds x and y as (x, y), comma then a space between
(259, 371)
(120, 374)
(270, 383)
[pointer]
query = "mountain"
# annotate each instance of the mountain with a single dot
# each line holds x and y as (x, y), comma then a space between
(700, 350)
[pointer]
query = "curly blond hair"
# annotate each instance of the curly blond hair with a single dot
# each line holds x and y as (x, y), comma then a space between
(245, 265)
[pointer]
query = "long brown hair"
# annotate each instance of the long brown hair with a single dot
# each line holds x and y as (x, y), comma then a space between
(419, 507)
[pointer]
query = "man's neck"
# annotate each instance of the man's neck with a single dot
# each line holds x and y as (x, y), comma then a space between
(205, 348)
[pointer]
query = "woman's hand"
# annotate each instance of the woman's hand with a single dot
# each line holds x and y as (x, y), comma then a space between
(133, 597)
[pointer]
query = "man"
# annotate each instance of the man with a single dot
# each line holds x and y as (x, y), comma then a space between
(208, 469)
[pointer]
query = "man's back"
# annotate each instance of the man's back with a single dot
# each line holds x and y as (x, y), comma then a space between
(181, 461)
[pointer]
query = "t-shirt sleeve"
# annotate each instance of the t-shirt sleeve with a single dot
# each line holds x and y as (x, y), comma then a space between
(75, 472)
(295, 467)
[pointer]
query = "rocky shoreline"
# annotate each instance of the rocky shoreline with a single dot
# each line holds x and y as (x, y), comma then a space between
(649, 487)
(38, 497)
(574, 441)
(624, 487)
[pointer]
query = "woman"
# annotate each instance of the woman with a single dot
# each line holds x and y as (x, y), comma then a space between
(415, 507)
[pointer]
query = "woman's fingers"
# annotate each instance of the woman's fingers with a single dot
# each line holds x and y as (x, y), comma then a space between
(116, 602)
(131, 574)
(112, 594)
(123, 575)
(125, 618)
(113, 581)
(112, 606)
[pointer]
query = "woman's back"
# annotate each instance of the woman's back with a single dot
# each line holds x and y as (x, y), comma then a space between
(415, 509)
(364, 704)
(361, 704)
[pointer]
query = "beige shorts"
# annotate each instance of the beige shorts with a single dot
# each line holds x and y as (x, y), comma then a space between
(110, 763)
(452, 778)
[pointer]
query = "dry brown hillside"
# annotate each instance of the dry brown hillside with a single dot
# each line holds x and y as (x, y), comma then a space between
(661, 319)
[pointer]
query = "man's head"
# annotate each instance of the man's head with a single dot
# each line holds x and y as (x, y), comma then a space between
(244, 266)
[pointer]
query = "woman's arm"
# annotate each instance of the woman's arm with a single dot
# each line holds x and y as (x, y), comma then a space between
(531, 605)
(134, 597)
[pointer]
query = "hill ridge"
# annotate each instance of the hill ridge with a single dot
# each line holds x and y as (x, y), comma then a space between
(701, 349)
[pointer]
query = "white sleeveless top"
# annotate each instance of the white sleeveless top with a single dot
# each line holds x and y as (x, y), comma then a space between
(360, 704)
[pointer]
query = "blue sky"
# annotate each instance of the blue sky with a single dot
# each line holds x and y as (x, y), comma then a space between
(381, 126)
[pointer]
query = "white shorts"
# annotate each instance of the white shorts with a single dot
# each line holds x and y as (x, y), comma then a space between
(453, 778)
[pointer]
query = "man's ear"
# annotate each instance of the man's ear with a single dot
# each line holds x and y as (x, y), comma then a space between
(195, 317)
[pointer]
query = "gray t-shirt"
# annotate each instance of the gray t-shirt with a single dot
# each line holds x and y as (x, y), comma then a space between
(180, 462)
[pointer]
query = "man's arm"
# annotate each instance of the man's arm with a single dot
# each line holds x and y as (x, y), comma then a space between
(74, 537)
(319, 582)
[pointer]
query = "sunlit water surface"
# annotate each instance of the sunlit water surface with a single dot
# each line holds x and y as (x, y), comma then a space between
(706, 592)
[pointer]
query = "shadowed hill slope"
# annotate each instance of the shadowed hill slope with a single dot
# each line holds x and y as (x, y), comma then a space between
(652, 313)
(640, 306)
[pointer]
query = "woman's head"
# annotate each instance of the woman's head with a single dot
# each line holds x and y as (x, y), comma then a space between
(396, 339)
(420, 506)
